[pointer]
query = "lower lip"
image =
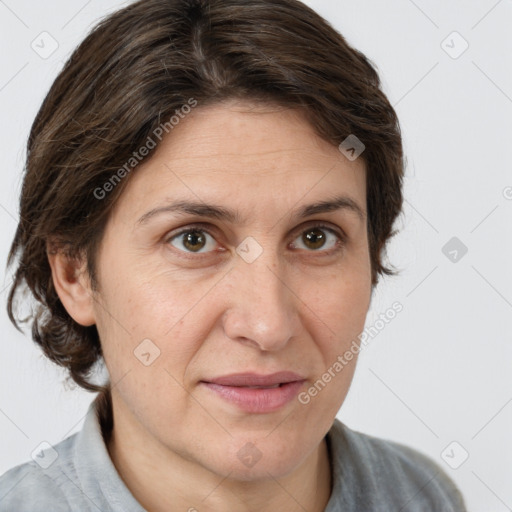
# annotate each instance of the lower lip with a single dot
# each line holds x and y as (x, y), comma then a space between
(261, 400)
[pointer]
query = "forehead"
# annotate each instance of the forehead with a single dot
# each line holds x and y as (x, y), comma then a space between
(236, 151)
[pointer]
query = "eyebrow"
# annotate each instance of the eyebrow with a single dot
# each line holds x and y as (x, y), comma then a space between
(225, 214)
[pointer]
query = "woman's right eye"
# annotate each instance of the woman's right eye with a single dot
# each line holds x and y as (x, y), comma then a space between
(193, 240)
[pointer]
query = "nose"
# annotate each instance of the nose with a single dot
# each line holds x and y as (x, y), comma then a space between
(262, 307)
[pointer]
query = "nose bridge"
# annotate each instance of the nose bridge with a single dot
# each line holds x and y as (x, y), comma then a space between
(262, 309)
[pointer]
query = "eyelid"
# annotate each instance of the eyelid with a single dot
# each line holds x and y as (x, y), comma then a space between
(323, 225)
(207, 228)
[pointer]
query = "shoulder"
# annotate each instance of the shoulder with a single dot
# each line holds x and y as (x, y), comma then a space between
(32, 487)
(28, 488)
(390, 471)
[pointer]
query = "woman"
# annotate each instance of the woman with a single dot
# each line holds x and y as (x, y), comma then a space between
(209, 189)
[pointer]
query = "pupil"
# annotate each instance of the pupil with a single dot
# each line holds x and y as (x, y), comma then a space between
(315, 238)
(193, 239)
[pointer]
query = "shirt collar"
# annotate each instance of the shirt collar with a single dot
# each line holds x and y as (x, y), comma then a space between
(96, 472)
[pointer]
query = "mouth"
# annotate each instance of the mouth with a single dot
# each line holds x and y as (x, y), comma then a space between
(256, 393)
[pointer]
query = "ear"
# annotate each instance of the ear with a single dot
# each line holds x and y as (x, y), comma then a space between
(72, 284)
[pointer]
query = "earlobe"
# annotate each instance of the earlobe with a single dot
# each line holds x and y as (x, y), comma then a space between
(73, 286)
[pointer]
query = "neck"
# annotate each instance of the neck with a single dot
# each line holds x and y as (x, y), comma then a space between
(161, 480)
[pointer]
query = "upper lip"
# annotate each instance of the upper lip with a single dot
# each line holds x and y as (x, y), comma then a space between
(254, 379)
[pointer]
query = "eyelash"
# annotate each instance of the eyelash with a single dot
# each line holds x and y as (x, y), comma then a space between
(204, 228)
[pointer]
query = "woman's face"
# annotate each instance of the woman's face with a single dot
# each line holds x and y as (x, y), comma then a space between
(197, 329)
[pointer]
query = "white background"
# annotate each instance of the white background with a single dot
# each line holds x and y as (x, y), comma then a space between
(441, 371)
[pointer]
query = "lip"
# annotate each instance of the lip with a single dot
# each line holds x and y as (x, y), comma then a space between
(255, 379)
(273, 391)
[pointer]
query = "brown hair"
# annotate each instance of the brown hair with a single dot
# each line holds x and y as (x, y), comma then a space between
(135, 70)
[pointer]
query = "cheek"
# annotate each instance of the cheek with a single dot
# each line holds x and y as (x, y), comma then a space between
(340, 309)
(152, 320)
(148, 342)
(148, 301)
(341, 302)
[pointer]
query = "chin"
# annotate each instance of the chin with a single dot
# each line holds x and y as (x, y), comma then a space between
(245, 461)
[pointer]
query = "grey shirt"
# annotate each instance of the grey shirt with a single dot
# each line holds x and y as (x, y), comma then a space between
(369, 475)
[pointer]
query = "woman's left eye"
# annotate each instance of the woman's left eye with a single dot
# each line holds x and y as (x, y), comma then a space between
(315, 239)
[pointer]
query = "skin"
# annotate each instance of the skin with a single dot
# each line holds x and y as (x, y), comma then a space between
(296, 307)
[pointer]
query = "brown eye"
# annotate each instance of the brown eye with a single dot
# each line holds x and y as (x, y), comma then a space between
(314, 238)
(318, 237)
(192, 240)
